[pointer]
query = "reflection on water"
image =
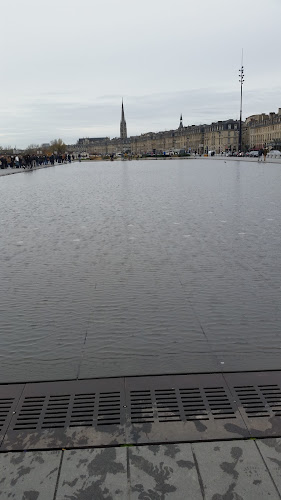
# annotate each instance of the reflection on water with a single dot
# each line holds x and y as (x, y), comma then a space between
(142, 267)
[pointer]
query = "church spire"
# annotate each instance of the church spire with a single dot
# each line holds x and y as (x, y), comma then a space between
(181, 125)
(123, 126)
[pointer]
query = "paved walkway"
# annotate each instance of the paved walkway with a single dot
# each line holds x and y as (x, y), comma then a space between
(222, 470)
(245, 158)
(11, 171)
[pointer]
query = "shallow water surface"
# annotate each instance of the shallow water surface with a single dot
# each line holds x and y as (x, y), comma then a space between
(141, 267)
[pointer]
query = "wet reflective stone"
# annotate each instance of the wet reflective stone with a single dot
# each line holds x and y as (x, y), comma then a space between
(233, 469)
(165, 471)
(137, 268)
(29, 476)
(97, 474)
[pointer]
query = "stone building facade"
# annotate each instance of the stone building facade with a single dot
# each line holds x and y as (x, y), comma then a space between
(222, 136)
(264, 130)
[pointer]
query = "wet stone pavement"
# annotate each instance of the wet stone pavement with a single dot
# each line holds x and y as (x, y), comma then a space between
(140, 268)
(233, 470)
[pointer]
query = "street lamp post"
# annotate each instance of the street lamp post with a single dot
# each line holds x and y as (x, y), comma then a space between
(241, 80)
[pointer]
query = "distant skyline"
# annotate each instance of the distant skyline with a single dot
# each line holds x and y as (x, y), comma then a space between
(67, 65)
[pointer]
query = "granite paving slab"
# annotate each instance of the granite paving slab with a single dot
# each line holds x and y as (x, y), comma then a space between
(163, 472)
(29, 476)
(233, 471)
(93, 474)
(221, 470)
(270, 449)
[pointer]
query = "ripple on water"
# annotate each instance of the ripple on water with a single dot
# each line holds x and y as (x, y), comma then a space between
(145, 300)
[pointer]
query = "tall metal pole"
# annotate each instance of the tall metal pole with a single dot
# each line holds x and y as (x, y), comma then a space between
(241, 80)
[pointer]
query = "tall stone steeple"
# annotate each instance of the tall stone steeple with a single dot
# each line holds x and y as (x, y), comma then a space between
(123, 126)
(181, 125)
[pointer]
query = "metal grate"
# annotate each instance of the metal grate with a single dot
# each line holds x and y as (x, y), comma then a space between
(74, 413)
(193, 404)
(109, 411)
(141, 407)
(6, 405)
(219, 403)
(83, 410)
(9, 397)
(140, 410)
(30, 412)
(55, 414)
(167, 405)
(272, 397)
(182, 404)
(181, 407)
(258, 395)
(68, 410)
(260, 400)
(252, 400)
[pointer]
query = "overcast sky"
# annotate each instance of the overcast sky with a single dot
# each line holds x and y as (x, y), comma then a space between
(66, 64)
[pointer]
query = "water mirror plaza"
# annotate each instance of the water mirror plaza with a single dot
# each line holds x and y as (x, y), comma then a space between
(140, 267)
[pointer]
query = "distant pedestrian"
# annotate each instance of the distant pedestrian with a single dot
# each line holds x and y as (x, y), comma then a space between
(264, 154)
(260, 153)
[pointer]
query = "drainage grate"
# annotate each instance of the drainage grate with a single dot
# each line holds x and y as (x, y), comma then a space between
(167, 405)
(183, 404)
(193, 404)
(252, 400)
(272, 397)
(140, 410)
(9, 397)
(141, 407)
(59, 413)
(68, 410)
(83, 410)
(109, 412)
(181, 407)
(259, 399)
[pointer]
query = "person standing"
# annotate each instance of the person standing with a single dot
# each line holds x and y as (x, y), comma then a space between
(264, 154)
(260, 153)
(17, 162)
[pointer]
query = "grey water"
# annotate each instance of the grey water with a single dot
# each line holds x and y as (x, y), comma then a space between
(139, 268)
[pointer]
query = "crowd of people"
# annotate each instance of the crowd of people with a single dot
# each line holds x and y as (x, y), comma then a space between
(32, 161)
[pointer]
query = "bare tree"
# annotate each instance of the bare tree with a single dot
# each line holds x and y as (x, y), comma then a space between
(32, 149)
(57, 146)
(8, 149)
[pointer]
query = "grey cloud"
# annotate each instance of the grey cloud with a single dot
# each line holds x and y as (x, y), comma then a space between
(64, 72)
(70, 120)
